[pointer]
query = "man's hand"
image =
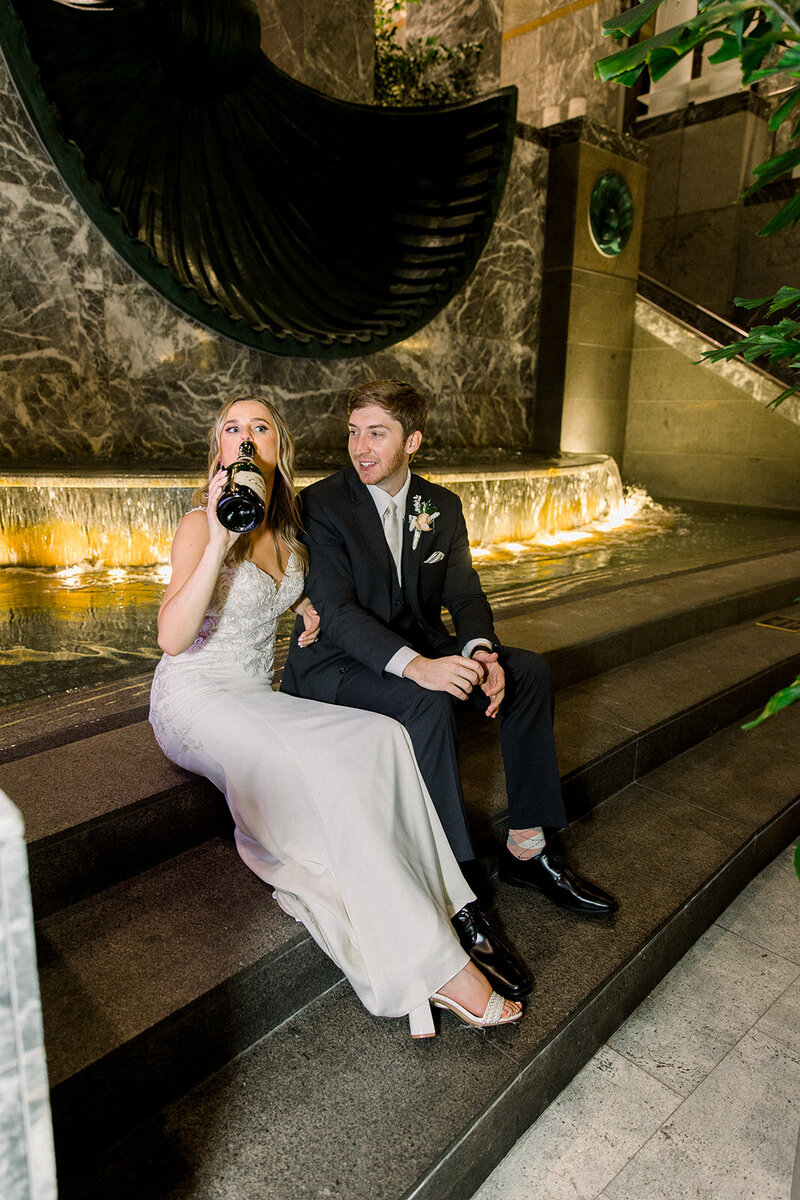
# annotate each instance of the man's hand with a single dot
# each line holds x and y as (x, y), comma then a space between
(454, 674)
(494, 680)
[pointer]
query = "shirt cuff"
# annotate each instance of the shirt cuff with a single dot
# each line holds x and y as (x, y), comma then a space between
(399, 661)
(474, 645)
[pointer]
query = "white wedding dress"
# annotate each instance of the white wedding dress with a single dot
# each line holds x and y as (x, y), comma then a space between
(329, 804)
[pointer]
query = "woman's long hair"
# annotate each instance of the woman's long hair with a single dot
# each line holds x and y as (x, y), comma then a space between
(283, 514)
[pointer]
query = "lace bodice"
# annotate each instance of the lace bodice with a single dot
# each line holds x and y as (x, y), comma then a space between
(240, 625)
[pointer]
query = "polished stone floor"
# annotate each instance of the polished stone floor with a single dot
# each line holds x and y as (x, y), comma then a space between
(697, 1095)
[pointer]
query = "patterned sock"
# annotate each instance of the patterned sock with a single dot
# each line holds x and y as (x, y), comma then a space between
(525, 843)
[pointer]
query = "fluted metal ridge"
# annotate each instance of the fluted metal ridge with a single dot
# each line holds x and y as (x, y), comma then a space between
(278, 216)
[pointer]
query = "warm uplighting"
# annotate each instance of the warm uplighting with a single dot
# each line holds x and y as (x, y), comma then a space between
(625, 514)
(107, 523)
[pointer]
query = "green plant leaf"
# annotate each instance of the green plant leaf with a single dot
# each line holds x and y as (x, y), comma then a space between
(633, 57)
(681, 38)
(774, 168)
(742, 303)
(788, 215)
(783, 109)
(797, 859)
(792, 391)
(781, 699)
(727, 50)
(784, 298)
(632, 21)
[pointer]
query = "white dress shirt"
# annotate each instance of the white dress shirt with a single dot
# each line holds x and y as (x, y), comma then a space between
(400, 660)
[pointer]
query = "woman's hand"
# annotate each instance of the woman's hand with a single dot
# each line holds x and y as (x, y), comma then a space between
(217, 533)
(305, 609)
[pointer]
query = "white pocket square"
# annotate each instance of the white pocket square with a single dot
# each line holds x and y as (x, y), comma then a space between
(437, 556)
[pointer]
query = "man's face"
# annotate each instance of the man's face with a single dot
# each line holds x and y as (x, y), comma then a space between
(378, 450)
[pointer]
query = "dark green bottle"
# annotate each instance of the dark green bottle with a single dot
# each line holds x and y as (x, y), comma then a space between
(243, 501)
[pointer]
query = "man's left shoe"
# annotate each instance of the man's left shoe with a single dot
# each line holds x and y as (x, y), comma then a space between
(549, 873)
(505, 973)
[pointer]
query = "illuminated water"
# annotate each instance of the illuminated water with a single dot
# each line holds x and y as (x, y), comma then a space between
(68, 629)
(128, 520)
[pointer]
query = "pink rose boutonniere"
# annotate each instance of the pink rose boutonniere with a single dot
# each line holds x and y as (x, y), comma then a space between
(422, 519)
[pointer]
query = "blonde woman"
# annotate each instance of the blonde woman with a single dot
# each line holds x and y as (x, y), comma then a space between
(330, 808)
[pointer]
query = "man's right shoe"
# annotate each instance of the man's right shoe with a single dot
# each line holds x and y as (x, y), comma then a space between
(550, 873)
(507, 976)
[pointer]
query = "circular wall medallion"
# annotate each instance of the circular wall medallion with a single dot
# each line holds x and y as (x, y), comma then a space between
(610, 213)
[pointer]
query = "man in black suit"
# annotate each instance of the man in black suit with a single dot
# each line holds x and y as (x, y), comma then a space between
(388, 550)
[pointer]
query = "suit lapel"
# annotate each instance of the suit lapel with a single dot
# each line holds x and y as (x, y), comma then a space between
(413, 559)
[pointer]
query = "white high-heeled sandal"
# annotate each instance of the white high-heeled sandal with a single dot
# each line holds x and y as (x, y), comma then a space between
(421, 1019)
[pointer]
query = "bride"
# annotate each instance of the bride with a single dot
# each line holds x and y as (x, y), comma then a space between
(330, 808)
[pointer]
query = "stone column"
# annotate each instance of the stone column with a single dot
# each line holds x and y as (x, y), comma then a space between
(588, 297)
(27, 1163)
(451, 21)
(328, 44)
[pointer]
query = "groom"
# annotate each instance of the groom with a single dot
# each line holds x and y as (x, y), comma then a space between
(388, 550)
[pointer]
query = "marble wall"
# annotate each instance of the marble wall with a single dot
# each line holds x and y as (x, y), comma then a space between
(705, 432)
(549, 51)
(452, 21)
(27, 1162)
(328, 44)
(97, 369)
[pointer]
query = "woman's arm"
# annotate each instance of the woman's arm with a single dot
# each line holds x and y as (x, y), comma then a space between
(198, 550)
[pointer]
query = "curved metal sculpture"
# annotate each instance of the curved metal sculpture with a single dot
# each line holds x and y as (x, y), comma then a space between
(280, 217)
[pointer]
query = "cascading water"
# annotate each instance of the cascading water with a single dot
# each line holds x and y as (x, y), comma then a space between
(129, 520)
(77, 619)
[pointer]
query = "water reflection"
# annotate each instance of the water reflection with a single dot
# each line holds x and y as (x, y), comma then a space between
(80, 626)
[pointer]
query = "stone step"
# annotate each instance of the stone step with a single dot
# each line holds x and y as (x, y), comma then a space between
(334, 1102)
(103, 807)
(593, 633)
(155, 983)
(616, 726)
(159, 979)
(108, 806)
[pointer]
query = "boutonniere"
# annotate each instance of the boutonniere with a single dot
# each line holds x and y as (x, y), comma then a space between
(422, 519)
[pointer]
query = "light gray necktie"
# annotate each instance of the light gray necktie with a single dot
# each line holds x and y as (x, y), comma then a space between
(393, 529)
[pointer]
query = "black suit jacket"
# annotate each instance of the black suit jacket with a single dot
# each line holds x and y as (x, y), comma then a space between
(352, 581)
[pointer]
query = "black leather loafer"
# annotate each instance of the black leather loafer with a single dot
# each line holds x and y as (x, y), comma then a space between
(506, 975)
(549, 873)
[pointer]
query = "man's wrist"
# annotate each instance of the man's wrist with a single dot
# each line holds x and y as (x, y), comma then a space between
(399, 661)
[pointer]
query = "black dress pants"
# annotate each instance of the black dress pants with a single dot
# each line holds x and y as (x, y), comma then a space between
(533, 785)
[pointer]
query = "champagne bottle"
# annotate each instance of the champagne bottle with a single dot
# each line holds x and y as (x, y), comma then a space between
(243, 501)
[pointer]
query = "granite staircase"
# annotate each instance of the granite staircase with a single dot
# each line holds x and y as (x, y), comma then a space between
(201, 1046)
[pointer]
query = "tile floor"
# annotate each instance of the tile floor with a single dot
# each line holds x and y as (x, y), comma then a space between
(697, 1095)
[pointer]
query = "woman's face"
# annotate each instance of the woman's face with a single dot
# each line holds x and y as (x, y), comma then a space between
(248, 420)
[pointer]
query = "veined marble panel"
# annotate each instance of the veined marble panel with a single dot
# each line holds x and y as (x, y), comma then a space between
(27, 1162)
(501, 297)
(99, 369)
(552, 63)
(282, 39)
(339, 48)
(451, 21)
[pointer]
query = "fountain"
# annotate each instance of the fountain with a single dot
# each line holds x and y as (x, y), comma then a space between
(127, 520)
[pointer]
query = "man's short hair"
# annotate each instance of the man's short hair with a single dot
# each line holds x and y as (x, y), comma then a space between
(399, 399)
